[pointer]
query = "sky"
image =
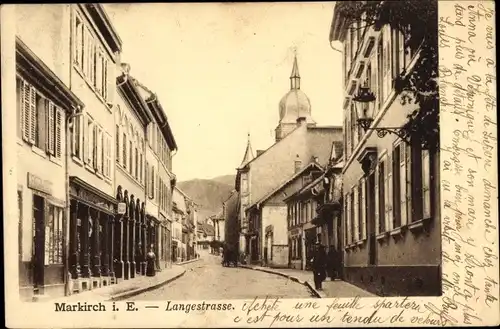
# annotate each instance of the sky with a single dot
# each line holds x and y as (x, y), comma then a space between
(220, 70)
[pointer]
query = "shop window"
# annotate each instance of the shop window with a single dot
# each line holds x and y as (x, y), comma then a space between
(54, 236)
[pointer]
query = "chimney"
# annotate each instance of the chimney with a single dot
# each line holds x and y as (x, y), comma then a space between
(298, 164)
(301, 121)
(259, 152)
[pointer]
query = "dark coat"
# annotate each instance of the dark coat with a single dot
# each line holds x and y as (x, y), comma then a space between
(319, 263)
(150, 264)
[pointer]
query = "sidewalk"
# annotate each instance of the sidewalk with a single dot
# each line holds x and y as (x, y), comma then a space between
(128, 288)
(331, 289)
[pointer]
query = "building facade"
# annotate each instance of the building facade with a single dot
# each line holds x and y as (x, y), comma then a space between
(270, 215)
(87, 132)
(392, 242)
(314, 216)
(160, 180)
(45, 105)
(179, 218)
(258, 176)
(95, 58)
(132, 116)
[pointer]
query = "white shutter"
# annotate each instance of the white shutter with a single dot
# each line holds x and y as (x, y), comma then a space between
(50, 127)
(85, 139)
(388, 194)
(348, 219)
(98, 70)
(401, 52)
(377, 216)
(363, 208)
(389, 61)
(356, 213)
(58, 132)
(26, 109)
(32, 114)
(109, 156)
(109, 81)
(373, 83)
(99, 148)
(409, 189)
(402, 183)
(426, 179)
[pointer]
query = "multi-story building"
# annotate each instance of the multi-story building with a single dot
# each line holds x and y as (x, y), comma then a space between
(132, 116)
(45, 109)
(232, 228)
(179, 215)
(108, 188)
(314, 216)
(94, 57)
(269, 214)
(390, 184)
(160, 180)
(297, 138)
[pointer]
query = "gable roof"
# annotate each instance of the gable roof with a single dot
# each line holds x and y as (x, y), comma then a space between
(286, 182)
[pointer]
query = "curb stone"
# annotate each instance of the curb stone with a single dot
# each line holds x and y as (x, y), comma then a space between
(293, 278)
(138, 291)
(188, 261)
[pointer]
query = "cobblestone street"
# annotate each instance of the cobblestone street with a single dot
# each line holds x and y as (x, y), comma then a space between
(207, 279)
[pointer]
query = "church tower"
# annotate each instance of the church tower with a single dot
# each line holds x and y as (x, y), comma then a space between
(294, 105)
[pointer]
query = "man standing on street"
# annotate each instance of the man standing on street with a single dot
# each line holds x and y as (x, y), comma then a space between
(319, 266)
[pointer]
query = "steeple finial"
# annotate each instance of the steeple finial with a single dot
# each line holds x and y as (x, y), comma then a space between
(295, 76)
(248, 153)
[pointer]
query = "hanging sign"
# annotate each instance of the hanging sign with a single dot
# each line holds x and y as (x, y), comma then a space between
(122, 208)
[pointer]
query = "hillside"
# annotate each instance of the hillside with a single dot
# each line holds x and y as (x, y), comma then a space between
(208, 193)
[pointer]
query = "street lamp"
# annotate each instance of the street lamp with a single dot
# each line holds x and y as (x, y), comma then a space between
(365, 115)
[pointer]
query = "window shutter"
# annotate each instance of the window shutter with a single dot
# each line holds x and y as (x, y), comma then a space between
(408, 163)
(50, 127)
(373, 83)
(363, 204)
(98, 70)
(388, 194)
(58, 131)
(401, 51)
(426, 179)
(387, 65)
(348, 219)
(85, 139)
(356, 213)
(402, 184)
(109, 82)
(377, 217)
(100, 150)
(147, 178)
(32, 114)
(109, 156)
(117, 144)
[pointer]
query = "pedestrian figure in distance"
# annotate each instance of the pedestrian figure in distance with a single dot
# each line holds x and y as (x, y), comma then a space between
(319, 266)
(150, 262)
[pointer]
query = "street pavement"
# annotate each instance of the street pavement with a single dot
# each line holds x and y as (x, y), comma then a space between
(208, 279)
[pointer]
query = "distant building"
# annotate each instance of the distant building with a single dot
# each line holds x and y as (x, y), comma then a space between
(270, 214)
(314, 213)
(231, 229)
(257, 177)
